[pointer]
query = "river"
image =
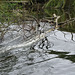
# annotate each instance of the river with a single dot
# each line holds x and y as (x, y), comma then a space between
(56, 57)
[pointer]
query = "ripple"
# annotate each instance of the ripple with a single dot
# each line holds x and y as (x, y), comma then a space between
(7, 60)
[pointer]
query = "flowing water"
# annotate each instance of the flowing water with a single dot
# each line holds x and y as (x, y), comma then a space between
(55, 57)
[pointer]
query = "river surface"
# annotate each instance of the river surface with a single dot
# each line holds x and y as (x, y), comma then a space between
(57, 59)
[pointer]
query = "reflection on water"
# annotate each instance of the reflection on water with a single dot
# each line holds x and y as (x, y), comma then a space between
(29, 61)
(21, 62)
(69, 57)
(7, 61)
(63, 55)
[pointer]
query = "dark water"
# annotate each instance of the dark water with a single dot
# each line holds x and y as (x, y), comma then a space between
(28, 61)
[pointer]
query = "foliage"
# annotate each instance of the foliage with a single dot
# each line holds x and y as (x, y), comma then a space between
(60, 3)
(55, 3)
(8, 11)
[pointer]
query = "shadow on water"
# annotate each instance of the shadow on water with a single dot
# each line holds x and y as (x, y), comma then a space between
(63, 55)
(7, 61)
